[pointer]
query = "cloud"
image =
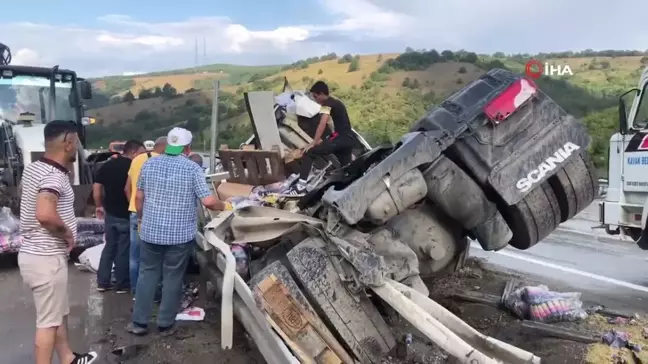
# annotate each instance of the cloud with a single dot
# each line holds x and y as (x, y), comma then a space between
(118, 43)
(26, 57)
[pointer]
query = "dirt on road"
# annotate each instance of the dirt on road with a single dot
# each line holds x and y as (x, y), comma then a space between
(198, 342)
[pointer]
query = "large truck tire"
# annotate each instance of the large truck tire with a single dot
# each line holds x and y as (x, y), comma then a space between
(534, 217)
(575, 186)
(356, 320)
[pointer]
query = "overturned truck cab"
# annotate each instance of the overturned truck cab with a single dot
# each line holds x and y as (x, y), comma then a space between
(498, 162)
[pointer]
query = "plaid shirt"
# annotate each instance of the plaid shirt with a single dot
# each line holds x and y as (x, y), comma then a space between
(171, 185)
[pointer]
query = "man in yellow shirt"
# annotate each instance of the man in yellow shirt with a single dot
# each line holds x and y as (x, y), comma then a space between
(131, 188)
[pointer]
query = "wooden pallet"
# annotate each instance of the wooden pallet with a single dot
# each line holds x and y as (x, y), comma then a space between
(297, 327)
(252, 167)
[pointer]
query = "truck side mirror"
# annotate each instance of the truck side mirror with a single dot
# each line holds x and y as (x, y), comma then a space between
(85, 90)
(623, 109)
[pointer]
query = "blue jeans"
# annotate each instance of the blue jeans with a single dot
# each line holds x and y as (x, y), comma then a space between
(115, 251)
(169, 261)
(134, 251)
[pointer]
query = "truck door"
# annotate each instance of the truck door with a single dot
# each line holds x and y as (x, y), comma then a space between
(635, 146)
(633, 160)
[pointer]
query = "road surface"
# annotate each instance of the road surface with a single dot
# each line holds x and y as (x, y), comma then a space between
(608, 272)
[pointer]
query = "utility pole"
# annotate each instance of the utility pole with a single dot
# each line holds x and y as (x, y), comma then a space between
(214, 129)
(204, 51)
(196, 54)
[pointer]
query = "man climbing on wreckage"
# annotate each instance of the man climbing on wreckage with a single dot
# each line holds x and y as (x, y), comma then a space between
(338, 143)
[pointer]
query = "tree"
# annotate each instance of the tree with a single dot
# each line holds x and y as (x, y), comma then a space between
(169, 91)
(347, 58)
(644, 60)
(380, 58)
(157, 92)
(499, 55)
(448, 55)
(128, 97)
(462, 69)
(354, 65)
(407, 82)
(144, 93)
(409, 50)
(470, 57)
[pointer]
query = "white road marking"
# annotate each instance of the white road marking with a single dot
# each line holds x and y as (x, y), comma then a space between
(579, 272)
(93, 320)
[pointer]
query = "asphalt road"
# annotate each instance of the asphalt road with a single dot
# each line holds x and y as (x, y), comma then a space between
(606, 271)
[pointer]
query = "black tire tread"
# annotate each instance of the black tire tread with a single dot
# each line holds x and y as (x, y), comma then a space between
(576, 186)
(533, 218)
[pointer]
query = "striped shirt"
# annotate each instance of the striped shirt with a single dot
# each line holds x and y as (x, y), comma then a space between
(45, 175)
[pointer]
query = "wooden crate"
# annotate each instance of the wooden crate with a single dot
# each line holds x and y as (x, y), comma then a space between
(252, 167)
(297, 327)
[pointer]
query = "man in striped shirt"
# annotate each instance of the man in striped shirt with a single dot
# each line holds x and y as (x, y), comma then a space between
(48, 227)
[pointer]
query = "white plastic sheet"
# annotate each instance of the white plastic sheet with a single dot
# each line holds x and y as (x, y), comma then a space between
(305, 106)
(89, 259)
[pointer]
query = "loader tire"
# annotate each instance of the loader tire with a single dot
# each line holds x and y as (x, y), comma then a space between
(533, 218)
(575, 186)
(357, 322)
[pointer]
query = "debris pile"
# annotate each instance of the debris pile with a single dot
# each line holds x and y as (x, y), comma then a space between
(90, 232)
(538, 303)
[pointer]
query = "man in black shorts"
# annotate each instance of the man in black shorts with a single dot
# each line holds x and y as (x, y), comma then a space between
(340, 142)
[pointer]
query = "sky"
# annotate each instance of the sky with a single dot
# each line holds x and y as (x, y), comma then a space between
(99, 38)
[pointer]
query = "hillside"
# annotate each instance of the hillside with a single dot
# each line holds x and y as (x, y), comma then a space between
(184, 79)
(384, 93)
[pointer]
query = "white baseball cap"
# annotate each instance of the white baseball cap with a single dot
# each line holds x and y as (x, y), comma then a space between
(177, 140)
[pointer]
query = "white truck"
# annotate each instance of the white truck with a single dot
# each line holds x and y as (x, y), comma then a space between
(624, 209)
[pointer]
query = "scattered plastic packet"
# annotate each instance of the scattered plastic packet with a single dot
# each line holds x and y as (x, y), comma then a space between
(191, 314)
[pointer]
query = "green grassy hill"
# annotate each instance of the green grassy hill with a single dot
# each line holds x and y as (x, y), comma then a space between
(384, 93)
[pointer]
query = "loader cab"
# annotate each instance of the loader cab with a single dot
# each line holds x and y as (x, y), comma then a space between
(30, 97)
(623, 211)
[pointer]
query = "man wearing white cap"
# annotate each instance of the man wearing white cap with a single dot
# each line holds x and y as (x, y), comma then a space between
(167, 189)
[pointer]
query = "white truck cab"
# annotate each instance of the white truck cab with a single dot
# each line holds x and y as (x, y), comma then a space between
(624, 209)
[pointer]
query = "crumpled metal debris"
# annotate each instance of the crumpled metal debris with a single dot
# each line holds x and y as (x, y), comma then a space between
(371, 267)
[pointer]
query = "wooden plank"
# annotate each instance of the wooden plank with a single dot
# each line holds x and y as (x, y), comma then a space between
(252, 167)
(477, 297)
(299, 352)
(296, 323)
(558, 332)
(239, 169)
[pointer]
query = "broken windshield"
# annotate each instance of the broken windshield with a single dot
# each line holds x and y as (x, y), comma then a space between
(31, 95)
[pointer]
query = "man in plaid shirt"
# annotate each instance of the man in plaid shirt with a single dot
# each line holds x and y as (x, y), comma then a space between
(167, 190)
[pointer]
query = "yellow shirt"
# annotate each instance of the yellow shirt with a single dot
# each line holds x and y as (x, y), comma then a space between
(133, 174)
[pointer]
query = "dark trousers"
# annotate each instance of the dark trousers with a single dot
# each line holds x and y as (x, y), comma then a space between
(116, 251)
(340, 146)
(169, 262)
